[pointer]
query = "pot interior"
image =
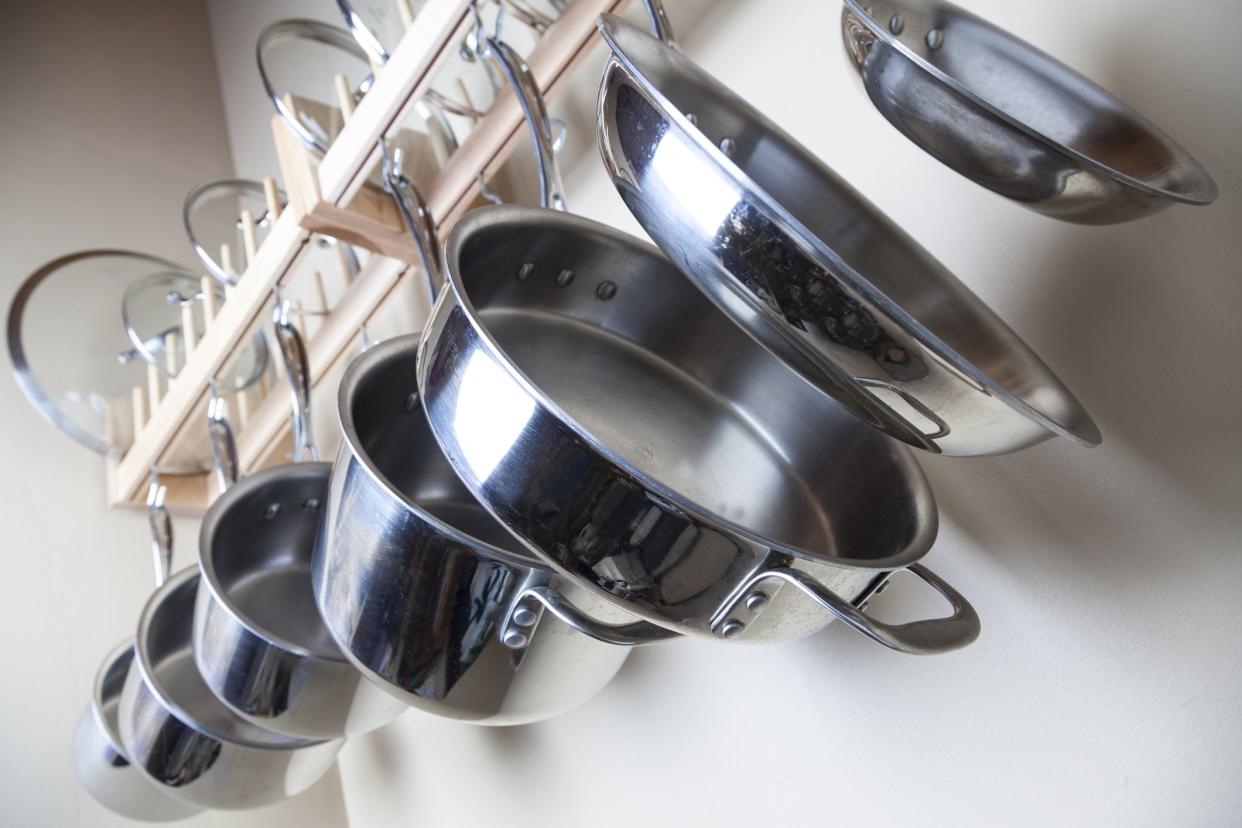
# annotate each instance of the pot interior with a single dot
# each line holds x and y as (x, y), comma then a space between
(649, 368)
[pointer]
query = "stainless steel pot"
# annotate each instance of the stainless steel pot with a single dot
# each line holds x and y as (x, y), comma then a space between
(633, 437)
(100, 761)
(811, 270)
(259, 641)
(184, 739)
(1009, 117)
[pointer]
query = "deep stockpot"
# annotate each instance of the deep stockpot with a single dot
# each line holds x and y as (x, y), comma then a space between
(634, 438)
(185, 739)
(100, 761)
(425, 593)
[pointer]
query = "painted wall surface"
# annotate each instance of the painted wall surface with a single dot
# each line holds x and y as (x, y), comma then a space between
(1105, 688)
(109, 114)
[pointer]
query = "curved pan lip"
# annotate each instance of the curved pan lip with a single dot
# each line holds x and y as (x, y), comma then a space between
(116, 653)
(1205, 194)
(147, 672)
(609, 27)
(481, 217)
(349, 436)
(206, 565)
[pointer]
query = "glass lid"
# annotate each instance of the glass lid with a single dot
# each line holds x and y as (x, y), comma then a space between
(212, 216)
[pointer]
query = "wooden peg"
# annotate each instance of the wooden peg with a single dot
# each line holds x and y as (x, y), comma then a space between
(344, 98)
(464, 95)
(154, 392)
(138, 402)
(299, 320)
(170, 353)
(272, 198)
(347, 274)
(189, 330)
(321, 295)
(207, 286)
(243, 407)
(406, 13)
(250, 240)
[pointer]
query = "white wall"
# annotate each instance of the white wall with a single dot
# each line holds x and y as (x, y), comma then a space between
(109, 113)
(1105, 688)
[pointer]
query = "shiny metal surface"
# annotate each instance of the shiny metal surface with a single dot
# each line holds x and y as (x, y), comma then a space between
(100, 762)
(424, 591)
(812, 271)
(184, 739)
(1011, 118)
(632, 436)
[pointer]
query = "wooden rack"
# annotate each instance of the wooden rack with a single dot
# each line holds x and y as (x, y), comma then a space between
(331, 196)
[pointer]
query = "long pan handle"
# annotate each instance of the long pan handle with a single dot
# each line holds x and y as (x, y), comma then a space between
(416, 218)
(161, 529)
(223, 445)
(297, 369)
(661, 29)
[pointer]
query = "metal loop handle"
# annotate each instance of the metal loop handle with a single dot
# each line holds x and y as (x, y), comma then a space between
(517, 72)
(223, 445)
(661, 29)
(926, 637)
(415, 216)
(519, 625)
(297, 370)
(161, 529)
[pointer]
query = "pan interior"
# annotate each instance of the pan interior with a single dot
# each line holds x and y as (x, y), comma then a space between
(673, 388)
(169, 631)
(393, 433)
(260, 554)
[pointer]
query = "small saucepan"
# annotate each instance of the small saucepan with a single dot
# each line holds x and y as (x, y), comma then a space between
(100, 761)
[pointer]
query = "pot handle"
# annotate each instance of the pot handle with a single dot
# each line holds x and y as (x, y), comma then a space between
(517, 72)
(161, 529)
(415, 216)
(223, 445)
(297, 369)
(926, 637)
(518, 626)
(661, 29)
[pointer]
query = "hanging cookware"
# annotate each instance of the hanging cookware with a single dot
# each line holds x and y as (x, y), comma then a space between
(211, 215)
(100, 761)
(301, 58)
(638, 441)
(812, 271)
(176, 731)
(259, 641)
(1013, 119)
(421, 588)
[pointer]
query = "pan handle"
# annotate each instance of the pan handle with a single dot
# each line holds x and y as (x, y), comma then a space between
(518, 626)
(415, 216)
(161, 529)
(297, 369)
(661, 29)
(223, 445)
(517, 72)
(926, 637)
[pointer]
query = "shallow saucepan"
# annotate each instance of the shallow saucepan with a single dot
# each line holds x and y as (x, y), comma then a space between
(429, 596)
(810, 269)
(185, 739)
(632, 436)
(100, 760)
(1011, 118)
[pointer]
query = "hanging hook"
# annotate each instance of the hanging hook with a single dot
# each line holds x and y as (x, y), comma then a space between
(486, 191)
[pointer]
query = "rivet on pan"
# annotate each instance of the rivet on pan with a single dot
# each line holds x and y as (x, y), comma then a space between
(756, 600)
(411, 402)
(692, 118)
(515, 639)
(525, 270)
(605, 290)
(524, 616)
(896, 24)
(564, 277)
(934, 38)
(727, 146)
(272, 511)
(731, 628)
(310, 504)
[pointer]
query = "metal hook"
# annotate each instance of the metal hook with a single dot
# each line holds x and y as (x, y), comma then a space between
(487, 191)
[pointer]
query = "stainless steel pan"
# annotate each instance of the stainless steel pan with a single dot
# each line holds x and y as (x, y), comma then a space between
(100, 761)
(1009, 117)
(811, 270)
(259, 641)
(633, 437)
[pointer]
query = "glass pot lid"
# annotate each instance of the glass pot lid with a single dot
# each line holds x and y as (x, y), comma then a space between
(212, 215)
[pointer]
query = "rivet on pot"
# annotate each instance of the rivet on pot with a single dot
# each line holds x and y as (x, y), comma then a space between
(272, 511)
(525, 270)
(524, 616)
(756, 600)
(564, 277)
(731, 628)
(606, 290)
(934, 38)
(896, 24)
(728, 146)
(515, 639)
(692, 118)
(411, 402)
(310, 504)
